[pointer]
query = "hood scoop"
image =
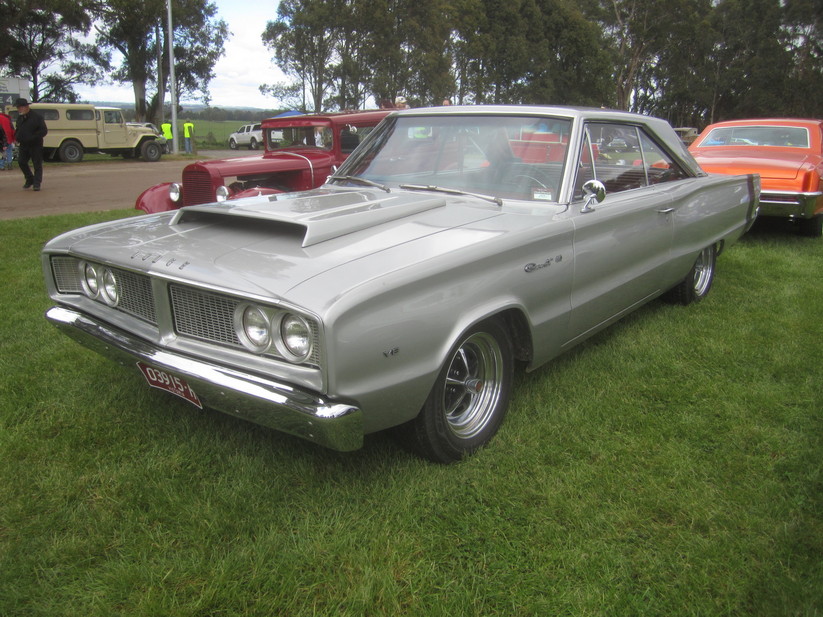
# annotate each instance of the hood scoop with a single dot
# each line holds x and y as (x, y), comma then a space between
(319, 215)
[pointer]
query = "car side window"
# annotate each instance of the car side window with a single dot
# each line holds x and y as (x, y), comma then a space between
(623, 158)
(660, 167)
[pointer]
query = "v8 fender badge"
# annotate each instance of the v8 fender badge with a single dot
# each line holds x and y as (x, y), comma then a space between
(533, 267)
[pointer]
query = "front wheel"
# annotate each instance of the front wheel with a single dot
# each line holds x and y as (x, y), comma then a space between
(150, 151)
(470, 398)
(232, 144)
(698, 281)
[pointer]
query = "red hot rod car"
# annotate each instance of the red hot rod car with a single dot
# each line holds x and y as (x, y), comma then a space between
(301, 152)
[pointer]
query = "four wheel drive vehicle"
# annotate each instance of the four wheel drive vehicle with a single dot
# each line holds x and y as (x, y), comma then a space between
(788, 155)
(454, 244)
(75, 129)
(301, 152)
(250, 135)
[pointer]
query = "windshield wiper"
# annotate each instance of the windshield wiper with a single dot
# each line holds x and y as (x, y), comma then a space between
(442, 189)
(359, 180)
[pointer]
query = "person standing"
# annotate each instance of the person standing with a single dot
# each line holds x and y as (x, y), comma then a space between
(30, 131)
(7, 129)
(168, 135)
(188, 134)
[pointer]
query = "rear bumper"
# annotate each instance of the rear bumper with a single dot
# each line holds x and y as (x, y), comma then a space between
(252, 397)
(790, 204)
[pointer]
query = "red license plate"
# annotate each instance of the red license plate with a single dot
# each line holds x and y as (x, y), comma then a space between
(169, 383)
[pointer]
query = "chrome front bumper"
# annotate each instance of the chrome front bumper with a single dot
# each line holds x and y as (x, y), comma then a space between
(258, 399)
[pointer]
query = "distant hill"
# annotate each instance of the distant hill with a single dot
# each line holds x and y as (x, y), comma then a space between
(190, 107)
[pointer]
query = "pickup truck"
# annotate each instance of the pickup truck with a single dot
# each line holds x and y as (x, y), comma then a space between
(250, 135)
(301, 152)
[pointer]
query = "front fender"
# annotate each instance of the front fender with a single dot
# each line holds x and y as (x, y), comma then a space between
(156, 199)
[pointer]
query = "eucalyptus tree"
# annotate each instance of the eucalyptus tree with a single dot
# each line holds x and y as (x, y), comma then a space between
(49, 51)
(752, 62)
(43, 41)
(137, 30)
(303, 40)
(803, 26)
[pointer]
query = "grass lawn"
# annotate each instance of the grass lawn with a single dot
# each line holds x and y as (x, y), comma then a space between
(670, 466)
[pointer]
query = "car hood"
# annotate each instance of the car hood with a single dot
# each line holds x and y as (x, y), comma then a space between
(782, 165)
(267, 245)
(268, 163)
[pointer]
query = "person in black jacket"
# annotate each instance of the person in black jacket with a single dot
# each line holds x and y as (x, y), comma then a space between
(29, 133)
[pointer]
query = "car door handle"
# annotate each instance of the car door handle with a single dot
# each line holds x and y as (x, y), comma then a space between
(666, 210)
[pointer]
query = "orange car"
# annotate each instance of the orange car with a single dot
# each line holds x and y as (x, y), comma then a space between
(786, 152)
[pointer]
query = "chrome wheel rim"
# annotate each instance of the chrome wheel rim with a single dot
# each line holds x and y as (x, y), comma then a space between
(703, 268)
(473, 385)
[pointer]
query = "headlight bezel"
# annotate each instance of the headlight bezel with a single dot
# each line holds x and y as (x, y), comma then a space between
(99, 283)
(276, 323)
(286, 349)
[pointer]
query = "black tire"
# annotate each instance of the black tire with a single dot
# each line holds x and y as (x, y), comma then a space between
(811, 228)
(253, 144)
(150, 151)
(70, 152)
(698, 281)
(470, 398)
(232, 144)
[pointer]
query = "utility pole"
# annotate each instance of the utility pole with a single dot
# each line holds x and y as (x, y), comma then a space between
(172, 83)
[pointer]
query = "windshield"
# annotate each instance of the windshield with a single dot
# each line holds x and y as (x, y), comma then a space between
(290, 137)
(517, 157)
(781, 136)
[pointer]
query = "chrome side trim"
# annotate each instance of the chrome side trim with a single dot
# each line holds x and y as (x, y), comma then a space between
(252, 397)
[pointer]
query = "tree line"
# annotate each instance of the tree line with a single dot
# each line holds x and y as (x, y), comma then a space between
(689, 61)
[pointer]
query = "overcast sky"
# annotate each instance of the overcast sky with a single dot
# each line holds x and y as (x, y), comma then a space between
(245, 65)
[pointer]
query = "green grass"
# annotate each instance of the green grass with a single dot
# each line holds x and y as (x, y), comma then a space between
(669, 466)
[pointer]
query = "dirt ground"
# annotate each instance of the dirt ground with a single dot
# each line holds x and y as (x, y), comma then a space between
(90, 186)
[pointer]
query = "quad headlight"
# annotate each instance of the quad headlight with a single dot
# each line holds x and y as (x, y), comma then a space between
(266, 329)
(295, 335)
(100, 283)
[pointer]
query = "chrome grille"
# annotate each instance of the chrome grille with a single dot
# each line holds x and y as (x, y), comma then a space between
(197, 188)
(208, 317)
(136, 295)
(66, 274)
(196, 313)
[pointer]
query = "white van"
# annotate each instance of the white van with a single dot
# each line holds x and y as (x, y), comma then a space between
(75, 129)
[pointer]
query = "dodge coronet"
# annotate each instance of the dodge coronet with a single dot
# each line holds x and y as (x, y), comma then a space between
(453, 245)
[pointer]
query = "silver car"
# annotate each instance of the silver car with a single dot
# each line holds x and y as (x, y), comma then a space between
(453, 243)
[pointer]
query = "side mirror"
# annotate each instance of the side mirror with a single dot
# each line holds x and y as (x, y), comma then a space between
(594, 192)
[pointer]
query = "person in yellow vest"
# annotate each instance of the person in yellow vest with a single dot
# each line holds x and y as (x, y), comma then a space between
(188, 135)
(168, 135)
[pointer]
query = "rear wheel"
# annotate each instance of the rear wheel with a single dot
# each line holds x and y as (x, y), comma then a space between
(70, 152)
(469, 399)
(253, 144)
(698, 281)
